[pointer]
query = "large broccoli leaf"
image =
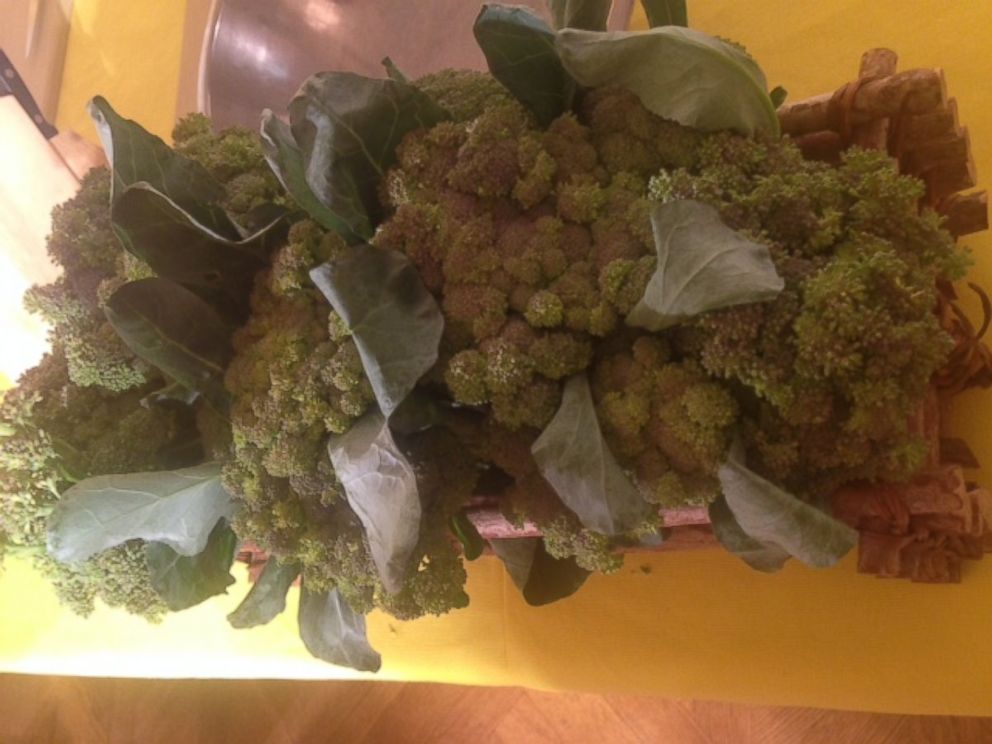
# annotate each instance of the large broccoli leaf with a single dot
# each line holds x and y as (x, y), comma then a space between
(184, 581)
(136, 155)
(666, 12)
(574, 458)
(344, 212)
(381, 487)
(220, 270)
(267, 598)
(178, 508)
(343, 134)
(678, 73)
(541, 578)
(758, 555)
(333, 632)
(520, 51)
(778, 520)
(394, 320)
(175, 330)
(591, 15)
(702, 265)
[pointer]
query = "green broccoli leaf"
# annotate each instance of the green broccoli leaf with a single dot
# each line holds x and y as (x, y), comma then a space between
(666, 13)
(520, 52)
(267, 598)
(155, 229)
(469, 537)
(136, 155)
(778, 520)
(393, 318)
(678, 73)
(184, 581)
(342, 138)
(175, 330)
(702, 265)
(778, 95)
(541, 578)
(591, 15)
(381, 487)
(345, 214)
(333, 632)
(178, 508)
(574, 458)
(758, 555)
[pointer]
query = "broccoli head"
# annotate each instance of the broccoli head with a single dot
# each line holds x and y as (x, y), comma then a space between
(54, 433)
(526, 236)
(834, 367)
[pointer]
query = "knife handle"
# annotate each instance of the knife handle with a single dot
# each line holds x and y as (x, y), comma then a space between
(12, 84)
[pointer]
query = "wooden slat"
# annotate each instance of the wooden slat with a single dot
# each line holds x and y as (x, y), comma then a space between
(65, 710)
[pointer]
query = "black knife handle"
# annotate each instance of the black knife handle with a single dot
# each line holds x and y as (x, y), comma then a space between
(12, 84)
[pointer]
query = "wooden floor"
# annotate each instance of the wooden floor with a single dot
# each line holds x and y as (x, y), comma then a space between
(64, 710)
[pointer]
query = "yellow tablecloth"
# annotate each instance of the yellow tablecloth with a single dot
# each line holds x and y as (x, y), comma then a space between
(695, 624)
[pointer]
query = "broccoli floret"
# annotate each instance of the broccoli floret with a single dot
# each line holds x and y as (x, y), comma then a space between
(55, 433)
(841, 359)
(463, 93)
(666, 421)
(234, 157)
(117, 577)
(83, 244)
(516, 230)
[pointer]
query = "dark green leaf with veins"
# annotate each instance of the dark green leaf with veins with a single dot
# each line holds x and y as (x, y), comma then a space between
(346, 216)
(185, 581)
(137, 155)
(575, 459)
(220, 270)
(267, 598)
(342, 138)
(703, 265)
(591, 15)
(178, 508)
(333, 632)
(666, 12)
(520, 52)
(777, 519)
(175, 330)
(677, 73)
(394, 320)
(541, 578)
(381, 487)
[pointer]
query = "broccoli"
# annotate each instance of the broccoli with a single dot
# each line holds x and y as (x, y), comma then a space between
(513, 229)
(668, 422)
(832, 369)
(94, 263)
(118, 577)
(538, 244)
(234, 157)
(296, 379)
(83, 244)
(54, 434)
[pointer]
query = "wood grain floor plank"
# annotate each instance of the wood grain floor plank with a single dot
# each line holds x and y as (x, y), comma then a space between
(438, 713)
(567, 718)
(658, 720)
(344, 712)
(36, 710)
(942, 730)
